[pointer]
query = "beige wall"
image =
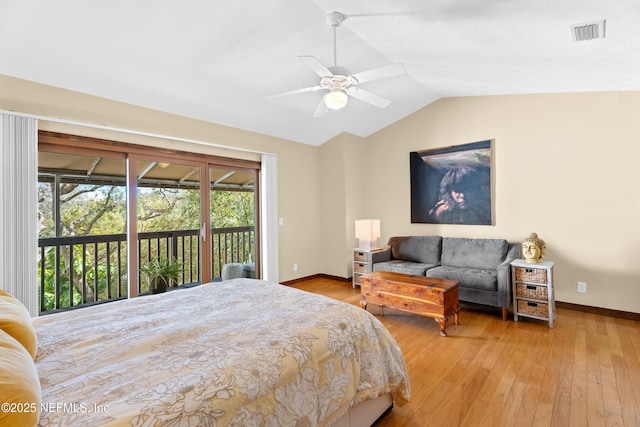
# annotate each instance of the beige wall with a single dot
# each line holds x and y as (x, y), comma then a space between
(342, 201)
(565, 166)
(298, 168)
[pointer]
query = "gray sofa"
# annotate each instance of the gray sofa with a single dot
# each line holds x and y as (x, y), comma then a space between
(482, 266)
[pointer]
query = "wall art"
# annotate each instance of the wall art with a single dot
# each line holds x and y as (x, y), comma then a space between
(452, 185)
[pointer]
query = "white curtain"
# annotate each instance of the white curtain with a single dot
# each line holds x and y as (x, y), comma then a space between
(19, 208)
(269, 217)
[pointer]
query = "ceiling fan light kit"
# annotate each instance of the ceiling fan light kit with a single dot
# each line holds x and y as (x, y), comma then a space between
(339, 82)
(336, 99)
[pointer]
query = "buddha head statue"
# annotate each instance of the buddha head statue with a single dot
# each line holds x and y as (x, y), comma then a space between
(533, 248)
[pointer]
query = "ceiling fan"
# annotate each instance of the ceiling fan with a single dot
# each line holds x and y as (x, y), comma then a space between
(339, 82)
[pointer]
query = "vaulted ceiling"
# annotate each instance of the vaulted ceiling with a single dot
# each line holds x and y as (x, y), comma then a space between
(219, 60)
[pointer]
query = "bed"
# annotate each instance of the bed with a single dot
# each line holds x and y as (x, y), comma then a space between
(242, 352)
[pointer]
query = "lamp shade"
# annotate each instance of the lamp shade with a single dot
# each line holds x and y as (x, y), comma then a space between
(367, 232)
(336, 99)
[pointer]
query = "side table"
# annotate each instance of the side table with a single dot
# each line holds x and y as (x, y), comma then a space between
(533, 290)
(362, 264)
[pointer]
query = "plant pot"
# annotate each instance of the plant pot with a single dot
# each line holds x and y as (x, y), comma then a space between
(158, 285)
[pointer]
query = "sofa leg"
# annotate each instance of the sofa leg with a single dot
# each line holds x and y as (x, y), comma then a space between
(505, 313)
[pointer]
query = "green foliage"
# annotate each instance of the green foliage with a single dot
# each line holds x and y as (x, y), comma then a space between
(46, 226)
(90, 210)
(95, 278)
(164, 270)
(232, 209)
(101, 210)
(168, 209)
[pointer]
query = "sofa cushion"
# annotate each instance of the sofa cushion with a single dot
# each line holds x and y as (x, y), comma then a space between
(422, 249)
(477, 278)
(473, 253)
(405, 267)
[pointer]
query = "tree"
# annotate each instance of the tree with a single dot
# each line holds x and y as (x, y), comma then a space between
(84, 210)
(232, 208)
(92, 209)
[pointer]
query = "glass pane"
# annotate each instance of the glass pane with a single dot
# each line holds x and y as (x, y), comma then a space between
(168, 222)
(82, 221)
(233, 220)
(91, 191)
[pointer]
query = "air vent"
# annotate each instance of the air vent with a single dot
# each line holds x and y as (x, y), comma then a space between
(588, 31)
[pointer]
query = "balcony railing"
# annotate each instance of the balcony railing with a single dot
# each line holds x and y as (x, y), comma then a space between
(85, 270)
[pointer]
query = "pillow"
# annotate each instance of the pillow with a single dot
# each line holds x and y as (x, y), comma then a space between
(20, 393)
(16, 321)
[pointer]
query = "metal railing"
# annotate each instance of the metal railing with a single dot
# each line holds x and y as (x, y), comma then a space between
(86, 270)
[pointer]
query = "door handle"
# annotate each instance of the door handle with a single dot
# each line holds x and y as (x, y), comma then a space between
(203, 232)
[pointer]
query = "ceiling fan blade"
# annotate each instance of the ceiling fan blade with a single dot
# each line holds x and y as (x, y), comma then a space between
(373, 99)
(315, 65)
(380, 72)
(322, 109)
(293, 92)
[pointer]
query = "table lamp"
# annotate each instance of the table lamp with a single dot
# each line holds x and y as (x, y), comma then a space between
(367, 232)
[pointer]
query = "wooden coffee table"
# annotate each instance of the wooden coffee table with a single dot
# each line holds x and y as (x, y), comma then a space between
(431, 297)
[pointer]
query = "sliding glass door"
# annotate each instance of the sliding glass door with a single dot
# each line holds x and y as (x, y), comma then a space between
(108, 210)
(169, 219)
(81, 229)
(233, 217)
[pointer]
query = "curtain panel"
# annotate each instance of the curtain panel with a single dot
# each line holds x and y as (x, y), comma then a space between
(19, 208)
(269, 217)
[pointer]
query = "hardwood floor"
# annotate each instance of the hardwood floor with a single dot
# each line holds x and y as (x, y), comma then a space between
(489, 372)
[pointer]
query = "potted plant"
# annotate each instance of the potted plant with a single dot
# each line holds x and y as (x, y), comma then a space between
(160, 272)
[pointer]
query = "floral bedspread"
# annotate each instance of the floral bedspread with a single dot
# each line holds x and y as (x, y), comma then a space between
(242, 352)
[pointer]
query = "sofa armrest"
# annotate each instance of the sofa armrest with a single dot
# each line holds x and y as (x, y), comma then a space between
(505, 295)
(382, 255)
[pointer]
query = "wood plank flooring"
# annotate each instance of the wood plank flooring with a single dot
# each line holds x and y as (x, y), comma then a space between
(489, 372)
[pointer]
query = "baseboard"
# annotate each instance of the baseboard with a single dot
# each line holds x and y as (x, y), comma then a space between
(598, 310)
(317, 276)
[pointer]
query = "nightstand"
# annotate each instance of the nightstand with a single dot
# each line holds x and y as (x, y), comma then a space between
(362, 264)
(533, 290)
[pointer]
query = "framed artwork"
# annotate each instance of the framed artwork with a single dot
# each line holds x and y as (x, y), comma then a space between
(452, 185)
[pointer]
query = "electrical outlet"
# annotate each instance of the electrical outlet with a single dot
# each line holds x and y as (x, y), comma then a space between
(295, 267)
(582, 287)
